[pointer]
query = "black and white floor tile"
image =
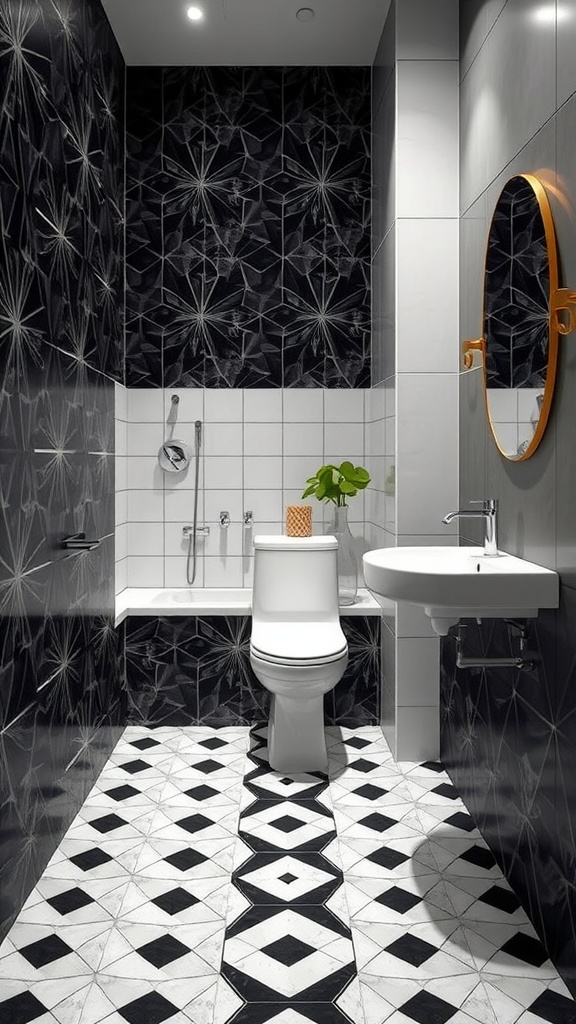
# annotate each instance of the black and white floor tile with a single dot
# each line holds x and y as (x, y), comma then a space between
(198, 885)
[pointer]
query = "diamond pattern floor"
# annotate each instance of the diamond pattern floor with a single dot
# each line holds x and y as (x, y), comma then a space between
(198, 885)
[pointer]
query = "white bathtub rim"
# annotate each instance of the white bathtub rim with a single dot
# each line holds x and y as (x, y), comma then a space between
(169, 601)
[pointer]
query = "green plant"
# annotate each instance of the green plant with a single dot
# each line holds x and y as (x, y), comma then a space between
(337, 483)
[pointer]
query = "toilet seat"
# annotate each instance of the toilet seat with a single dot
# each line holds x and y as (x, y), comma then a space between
(303, 662)
(298, 643)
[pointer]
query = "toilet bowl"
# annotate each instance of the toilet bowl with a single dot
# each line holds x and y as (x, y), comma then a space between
(297, 648)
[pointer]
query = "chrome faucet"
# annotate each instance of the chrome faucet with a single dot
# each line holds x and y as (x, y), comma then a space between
(248, 520)
(224, 520)
(489, 513)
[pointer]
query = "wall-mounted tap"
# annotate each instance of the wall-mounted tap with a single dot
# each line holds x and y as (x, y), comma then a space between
(248, 520)
(488, 512)
(224, 520)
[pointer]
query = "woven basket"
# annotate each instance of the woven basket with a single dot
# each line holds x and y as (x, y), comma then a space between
(299, 521)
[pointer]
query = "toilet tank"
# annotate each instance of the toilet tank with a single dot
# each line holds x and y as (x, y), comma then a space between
(295, 578)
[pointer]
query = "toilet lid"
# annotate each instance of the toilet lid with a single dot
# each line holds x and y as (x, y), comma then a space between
(298, 641)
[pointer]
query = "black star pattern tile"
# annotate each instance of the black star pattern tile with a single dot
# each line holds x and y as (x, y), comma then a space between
(122, 792)
(288, 950)
(433, 766)
(201, 792)
(213, 743)
(133, 767)
(377, 822)
(412, 949)
(21, 1009)
(107, 823)
(500, 898)
(479, 856)
(186, 859)
(525, 948)
(175, 901)
(91, 859)
(370, 792)
(163, 951)
(387, 858)
(45, 951)
(287, 878)
(426, 1008)
(145, 743)
(69, 901)
(554, 1008)
(398, 899)
(149, 1009)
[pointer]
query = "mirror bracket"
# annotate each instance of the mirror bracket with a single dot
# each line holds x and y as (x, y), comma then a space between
(563, 300)
(469, 347)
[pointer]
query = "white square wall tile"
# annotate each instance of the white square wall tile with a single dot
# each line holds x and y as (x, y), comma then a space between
(120, 437)
(262, 405)
(120, 542)
(120, 507)
(263, 439)
(121, 472)
(145, 405)
(223, 572)
(145, 506)
(262, 472)
(303, 439)
(427, 294)
(427, 131)
(298, 469)
(179, 506)
(375, 404)
(344, 440)
(266, 505)
(223, 500)
(223, 405)
(144, 473)
(344, 405)
(146, 539)
(303, 405)
(222, 439)
(145, 439)
(188, 408)
(175, 571)
(120, 575)
(222, 472)
(145, 571)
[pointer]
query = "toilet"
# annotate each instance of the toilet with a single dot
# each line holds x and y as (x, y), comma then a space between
(297, 648)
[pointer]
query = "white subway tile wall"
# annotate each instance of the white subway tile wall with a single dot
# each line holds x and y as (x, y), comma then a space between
(258, 449)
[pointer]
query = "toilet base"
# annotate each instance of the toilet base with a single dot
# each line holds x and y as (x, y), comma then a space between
(296, 738)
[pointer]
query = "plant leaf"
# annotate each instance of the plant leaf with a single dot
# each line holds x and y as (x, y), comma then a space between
(309, 491)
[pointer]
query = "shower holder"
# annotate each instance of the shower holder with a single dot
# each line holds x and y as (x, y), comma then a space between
(78, 542)
(201, 531)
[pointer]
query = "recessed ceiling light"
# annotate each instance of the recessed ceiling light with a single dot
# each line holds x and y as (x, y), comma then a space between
(195, 13)
(305, 14)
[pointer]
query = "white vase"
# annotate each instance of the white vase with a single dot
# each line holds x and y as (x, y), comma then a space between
(347, 563)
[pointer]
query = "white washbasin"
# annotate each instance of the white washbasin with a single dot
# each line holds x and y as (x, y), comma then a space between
(453, 583)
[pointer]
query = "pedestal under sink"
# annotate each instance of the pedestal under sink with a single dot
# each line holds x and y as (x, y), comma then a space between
(453, 583)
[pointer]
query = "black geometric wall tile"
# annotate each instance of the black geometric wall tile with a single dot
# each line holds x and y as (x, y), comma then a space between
(244, 204)
(506, 741)
(61, 247)
(191, 671)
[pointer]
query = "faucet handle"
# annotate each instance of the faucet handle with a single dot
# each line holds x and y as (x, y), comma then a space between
(490, 504)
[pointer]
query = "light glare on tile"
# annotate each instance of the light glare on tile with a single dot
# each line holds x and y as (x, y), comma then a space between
(195, 13)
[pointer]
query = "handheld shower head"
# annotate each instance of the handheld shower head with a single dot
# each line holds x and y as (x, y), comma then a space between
(198, 429)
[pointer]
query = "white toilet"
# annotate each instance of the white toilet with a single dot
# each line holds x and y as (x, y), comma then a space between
(297, 649)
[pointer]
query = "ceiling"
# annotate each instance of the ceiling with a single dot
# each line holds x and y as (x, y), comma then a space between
(247, 32)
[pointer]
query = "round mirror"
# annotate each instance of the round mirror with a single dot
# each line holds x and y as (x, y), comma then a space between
(520, 333)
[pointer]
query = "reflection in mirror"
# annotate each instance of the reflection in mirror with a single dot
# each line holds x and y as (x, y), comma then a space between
(520, 341)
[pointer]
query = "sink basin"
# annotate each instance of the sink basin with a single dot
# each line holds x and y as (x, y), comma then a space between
(453, 583)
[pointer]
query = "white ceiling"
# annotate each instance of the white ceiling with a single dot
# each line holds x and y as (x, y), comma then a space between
(247, 32)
